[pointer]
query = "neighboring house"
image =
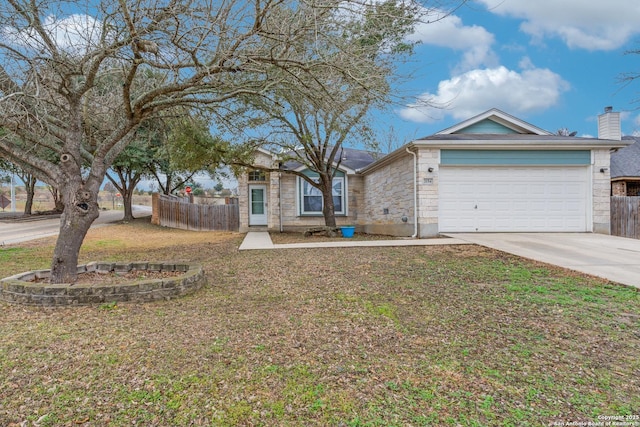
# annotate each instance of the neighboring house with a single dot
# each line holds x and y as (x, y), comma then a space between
(625, 169)
(490, 173)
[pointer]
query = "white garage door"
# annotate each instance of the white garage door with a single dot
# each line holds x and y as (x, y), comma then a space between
(518, 199)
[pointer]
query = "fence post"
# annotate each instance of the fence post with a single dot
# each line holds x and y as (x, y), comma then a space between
(155, 209)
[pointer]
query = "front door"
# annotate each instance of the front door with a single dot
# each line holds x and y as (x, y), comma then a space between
(257, 205)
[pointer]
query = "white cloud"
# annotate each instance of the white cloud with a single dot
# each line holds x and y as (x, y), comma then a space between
(465, 95)
(74, 34)
(451, 33)
(590, 25)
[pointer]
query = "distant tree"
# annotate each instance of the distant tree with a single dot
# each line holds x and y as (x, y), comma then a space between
(56, 195)
(109, 187)
(29, 181)
(28, 178)
(565, 132)
(128, 169)
(180, 149)
(112, 190)
(218, 187)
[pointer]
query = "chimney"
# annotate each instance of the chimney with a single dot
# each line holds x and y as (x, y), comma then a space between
(609, 125)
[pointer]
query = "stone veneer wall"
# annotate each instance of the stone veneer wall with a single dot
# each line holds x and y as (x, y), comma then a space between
(601, 191)
(619, 188)
(388, 197)
(428, 196)
(20, 289)
(243, 202)
(273, 201)
(291, 221)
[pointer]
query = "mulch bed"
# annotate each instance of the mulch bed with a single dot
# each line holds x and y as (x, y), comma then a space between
(114, 278)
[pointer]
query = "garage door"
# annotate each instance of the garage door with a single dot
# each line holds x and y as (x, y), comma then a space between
(513, 198)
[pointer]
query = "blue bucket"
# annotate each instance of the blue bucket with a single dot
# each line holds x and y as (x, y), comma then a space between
(347, 231)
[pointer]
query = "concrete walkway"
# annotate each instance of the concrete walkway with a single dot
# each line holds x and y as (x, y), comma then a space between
(261, 240)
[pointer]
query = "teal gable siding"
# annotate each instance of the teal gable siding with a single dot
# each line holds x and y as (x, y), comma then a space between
(515, 157)
(487, 127)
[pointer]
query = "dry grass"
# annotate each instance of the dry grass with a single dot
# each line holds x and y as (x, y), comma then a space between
(349, 336)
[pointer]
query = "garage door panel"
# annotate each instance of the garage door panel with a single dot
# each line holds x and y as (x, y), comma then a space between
(488, 199)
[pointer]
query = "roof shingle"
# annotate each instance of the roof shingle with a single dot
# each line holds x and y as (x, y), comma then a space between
(626, 161)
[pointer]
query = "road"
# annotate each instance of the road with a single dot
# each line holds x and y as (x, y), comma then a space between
(22, 231)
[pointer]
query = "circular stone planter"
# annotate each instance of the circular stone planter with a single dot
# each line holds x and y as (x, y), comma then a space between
(23, 288)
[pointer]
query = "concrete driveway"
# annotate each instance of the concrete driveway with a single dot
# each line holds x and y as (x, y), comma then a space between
(614, 258)
(12, 232)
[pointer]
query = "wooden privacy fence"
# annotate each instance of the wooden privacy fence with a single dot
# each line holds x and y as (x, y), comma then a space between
(624, 216)
(176, 212)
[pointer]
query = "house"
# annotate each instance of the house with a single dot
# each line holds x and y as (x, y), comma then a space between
(625, 169)
(490, 173)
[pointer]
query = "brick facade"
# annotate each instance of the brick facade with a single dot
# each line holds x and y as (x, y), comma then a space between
(389, 198)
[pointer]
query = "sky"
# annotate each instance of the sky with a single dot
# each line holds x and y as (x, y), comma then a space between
(553, 63)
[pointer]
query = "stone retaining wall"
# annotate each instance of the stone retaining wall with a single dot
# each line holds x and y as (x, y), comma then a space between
(20, 289)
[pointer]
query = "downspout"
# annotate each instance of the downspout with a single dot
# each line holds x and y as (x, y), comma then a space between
(415, 192)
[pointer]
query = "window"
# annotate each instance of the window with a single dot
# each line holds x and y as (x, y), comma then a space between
(633, 188)
(311, 197)
(257, 175)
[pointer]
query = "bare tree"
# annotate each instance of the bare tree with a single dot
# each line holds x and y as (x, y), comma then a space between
(311, 132)
(566, 132)
(56, 196)
(56, 66)
(308, 119)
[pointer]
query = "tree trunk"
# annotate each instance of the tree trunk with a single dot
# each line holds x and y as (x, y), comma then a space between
(328, 210)
(80, 210)
(126, 202)
(126, 184)
(30, 186)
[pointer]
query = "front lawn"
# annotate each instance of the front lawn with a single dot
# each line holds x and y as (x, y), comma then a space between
(447, 335)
